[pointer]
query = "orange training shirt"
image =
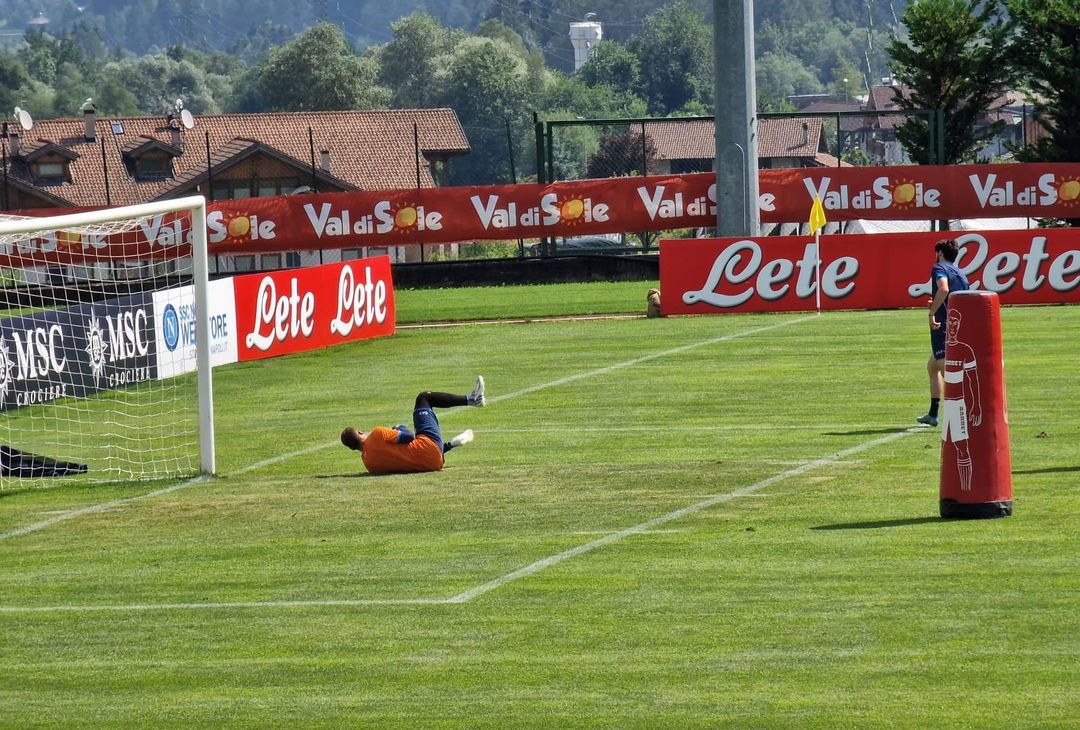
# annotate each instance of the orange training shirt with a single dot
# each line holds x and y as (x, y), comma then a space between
(384, 455)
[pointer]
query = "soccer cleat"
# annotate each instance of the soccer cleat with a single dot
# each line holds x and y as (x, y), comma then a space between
(465, 437)
(927, 420)
(476, 397)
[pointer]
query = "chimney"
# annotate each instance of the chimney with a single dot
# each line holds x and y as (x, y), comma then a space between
(90, 120)
(805, 134)
(174, 130)
(324, 161)
(13, 140)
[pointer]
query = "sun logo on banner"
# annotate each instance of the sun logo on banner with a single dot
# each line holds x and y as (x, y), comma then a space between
(238, 228)
(1068, 193)
(571, 211)
(68, 239)
(903, 194)
(405, 217)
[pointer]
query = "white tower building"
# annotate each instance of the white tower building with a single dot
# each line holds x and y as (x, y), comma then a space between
(584, 37)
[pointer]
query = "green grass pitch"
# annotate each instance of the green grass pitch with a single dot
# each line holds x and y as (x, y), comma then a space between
(687, 522)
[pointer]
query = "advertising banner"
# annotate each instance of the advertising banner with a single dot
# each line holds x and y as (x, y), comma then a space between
(306, 309)
(175, 315)
(883, 271)
(581, 207)
(77, 351)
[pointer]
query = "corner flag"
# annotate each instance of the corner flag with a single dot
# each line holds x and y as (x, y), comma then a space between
(817, 216)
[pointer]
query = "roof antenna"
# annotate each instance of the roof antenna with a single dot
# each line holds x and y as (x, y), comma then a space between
(25, 120)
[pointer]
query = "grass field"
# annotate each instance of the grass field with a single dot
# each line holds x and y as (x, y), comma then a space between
(688, 522)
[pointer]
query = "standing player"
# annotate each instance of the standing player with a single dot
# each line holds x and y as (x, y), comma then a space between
(399, 450)
(963, 403)
(945, 278)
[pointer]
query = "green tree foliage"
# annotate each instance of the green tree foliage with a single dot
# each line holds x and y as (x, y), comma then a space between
(954, 59)
(156, 82)
(622, 153)
(675, 45)
(780, 75)
(319, 71)
(486, 85)
(13, 77)
(612, 64)
(1047, 52)
(410, 64)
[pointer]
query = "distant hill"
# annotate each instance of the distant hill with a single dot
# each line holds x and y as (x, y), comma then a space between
(142, 26)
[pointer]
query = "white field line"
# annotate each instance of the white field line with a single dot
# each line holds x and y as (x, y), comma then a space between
(523, 572)
(652, 524)
(94, 509)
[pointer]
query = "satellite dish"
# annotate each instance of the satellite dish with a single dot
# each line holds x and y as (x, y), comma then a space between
(25, 120)
(187, 119)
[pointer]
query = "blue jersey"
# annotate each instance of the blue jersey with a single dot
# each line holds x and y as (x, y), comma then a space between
(957, 282)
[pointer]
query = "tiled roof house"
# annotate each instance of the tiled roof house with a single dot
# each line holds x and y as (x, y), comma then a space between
(92, 162)
(689, 145)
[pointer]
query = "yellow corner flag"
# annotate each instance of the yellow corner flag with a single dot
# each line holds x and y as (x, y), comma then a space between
(817, 216)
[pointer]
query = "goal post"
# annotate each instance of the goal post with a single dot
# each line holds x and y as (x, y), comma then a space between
(86, 301)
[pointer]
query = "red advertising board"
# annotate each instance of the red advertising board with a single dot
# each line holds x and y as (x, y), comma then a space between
(306, 309)
(922, 192)
(584, 207)
(777, 274)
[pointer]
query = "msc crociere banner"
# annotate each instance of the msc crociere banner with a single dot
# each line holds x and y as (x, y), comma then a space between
(863, 271)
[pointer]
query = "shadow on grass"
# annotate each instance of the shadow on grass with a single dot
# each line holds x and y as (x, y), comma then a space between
(1051, 470)
(870, 431)
(352, 475)
(877, 524)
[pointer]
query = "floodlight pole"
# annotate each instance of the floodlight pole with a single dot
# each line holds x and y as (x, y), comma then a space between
(736, 162)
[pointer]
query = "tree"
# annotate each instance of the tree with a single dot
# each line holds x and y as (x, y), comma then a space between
(780, 75)
(13, 77)
(1047, 52)
(674, 50)
(319, 71)
(612, 64)
(955, 59)
(622, 153)
(155, 82)
(410, 64)
(486, 86)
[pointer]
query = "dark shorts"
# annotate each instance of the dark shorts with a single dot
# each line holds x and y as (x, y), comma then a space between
(937, 342)
(425, 423)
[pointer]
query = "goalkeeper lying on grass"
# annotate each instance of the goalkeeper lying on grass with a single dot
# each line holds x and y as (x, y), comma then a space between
(399, 450)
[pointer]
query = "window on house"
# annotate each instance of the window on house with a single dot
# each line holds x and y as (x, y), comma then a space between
(270, 261)
(235, 189)
(51, 172)
(292, 259)
(153, 167)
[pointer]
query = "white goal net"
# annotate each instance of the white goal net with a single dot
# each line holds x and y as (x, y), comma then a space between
(101, 351)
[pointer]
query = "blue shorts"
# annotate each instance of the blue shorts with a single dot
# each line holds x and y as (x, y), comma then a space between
(937, 342)
(425, 423)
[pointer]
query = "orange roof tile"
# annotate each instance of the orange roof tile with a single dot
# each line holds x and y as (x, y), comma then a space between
(370, 150)
(695, 139)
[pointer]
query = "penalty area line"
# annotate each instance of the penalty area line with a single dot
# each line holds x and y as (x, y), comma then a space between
(496, 583)
(649, 525)
(104, 507)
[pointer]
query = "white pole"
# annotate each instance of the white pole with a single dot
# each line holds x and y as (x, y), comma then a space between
(817, 269)
(207, 457)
